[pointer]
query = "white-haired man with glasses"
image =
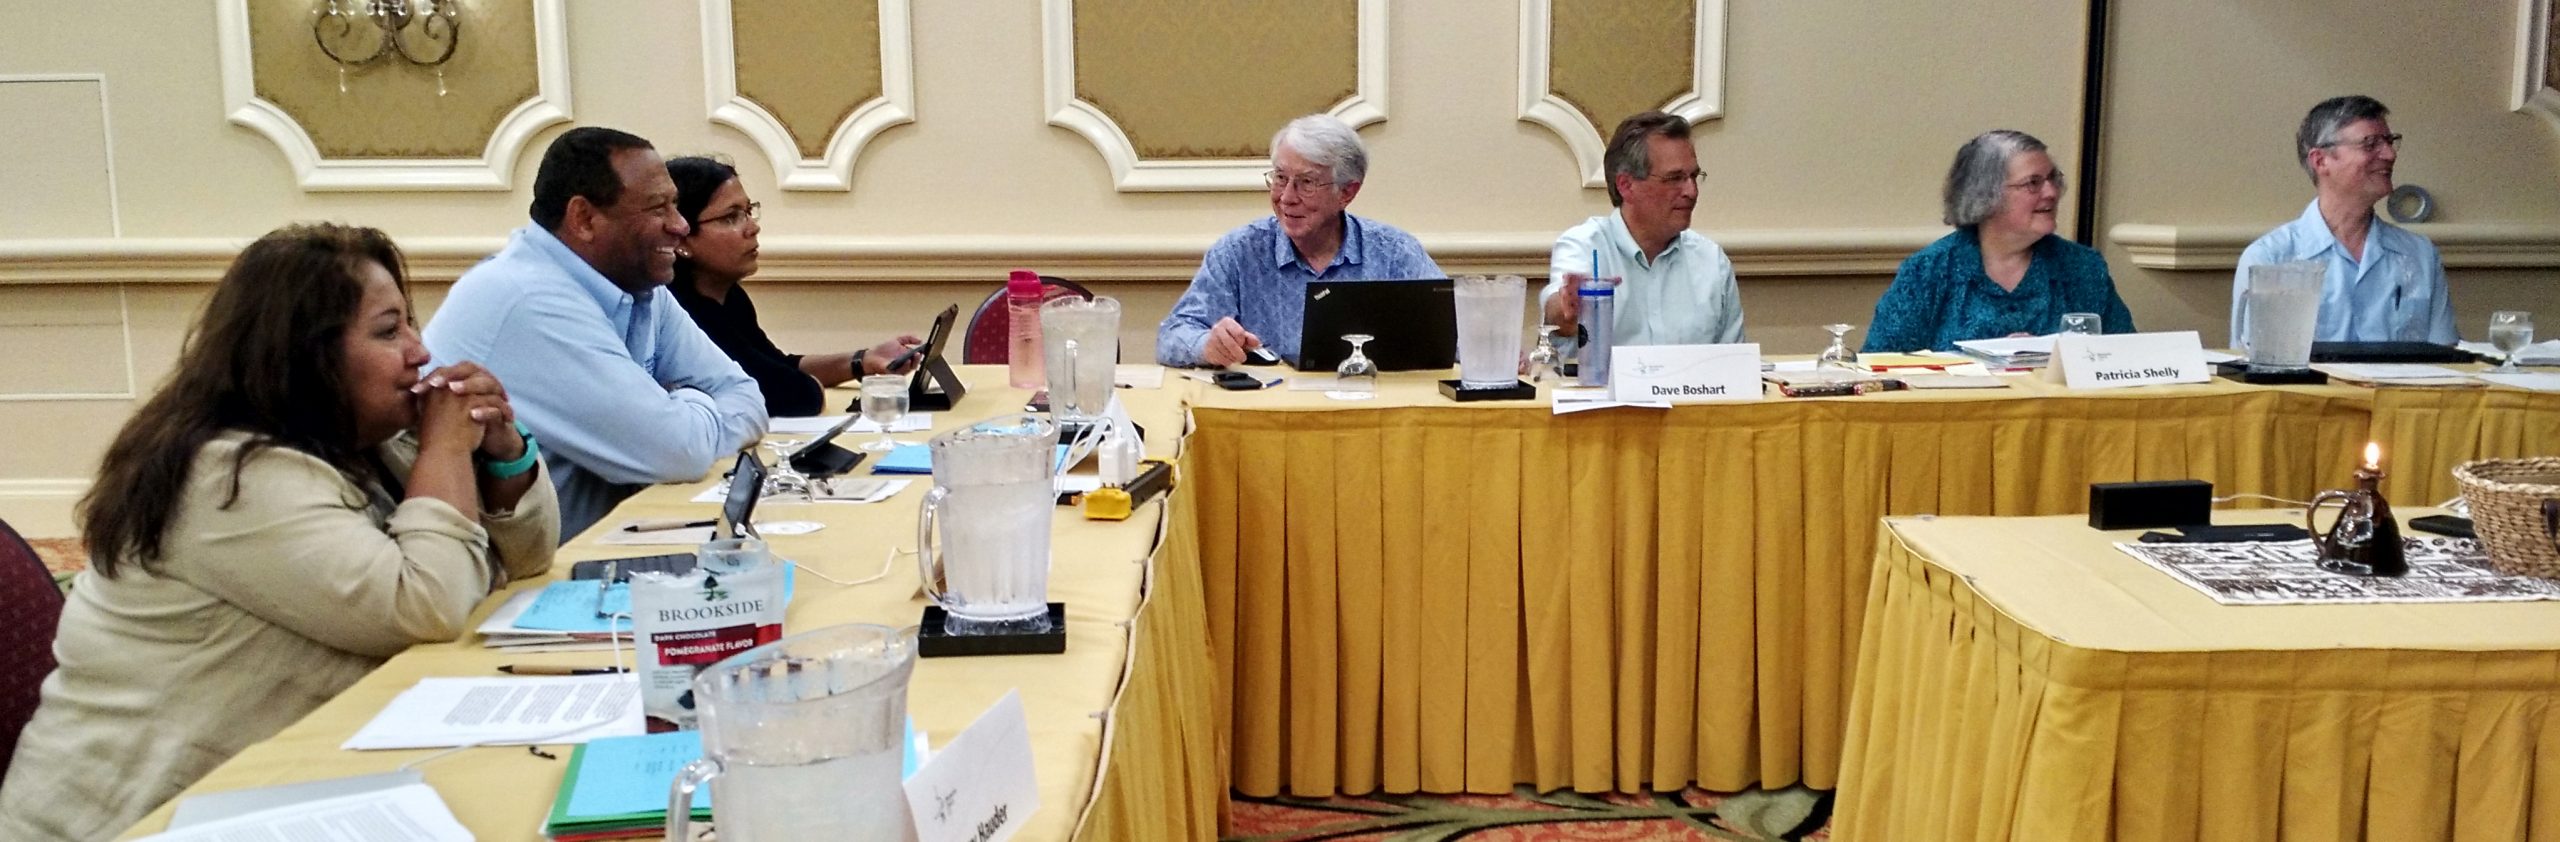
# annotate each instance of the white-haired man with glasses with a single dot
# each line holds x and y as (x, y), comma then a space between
(2383, 283)
(1675, 286)
(1250, 291)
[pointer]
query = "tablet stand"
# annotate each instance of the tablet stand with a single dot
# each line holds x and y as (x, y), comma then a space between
(934, 388)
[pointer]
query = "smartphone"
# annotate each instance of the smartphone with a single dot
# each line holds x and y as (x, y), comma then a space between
(1236, 381)
(900, 361)
(2458, 527)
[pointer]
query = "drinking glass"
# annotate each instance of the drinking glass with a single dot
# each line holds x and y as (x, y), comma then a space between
(884, 400)
(785, 480)
(1356, 377)
(2086, 324)
(2510, 330)
(1837, 361)
(1543, 360)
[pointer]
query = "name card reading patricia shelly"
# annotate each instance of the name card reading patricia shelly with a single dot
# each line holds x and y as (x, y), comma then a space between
(2128, 359)
(1685, 373)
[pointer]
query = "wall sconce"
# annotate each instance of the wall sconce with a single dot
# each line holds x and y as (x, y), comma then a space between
(438, 31)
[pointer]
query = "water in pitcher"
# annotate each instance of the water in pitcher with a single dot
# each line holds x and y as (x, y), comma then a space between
(998, 570)
(2283, 303)
(849, 798)
(1489, 319)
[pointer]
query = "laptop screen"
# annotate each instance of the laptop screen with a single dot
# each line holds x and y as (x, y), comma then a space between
(1412, 324)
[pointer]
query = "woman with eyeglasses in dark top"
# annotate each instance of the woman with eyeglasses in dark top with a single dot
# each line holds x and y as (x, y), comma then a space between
(720, 252)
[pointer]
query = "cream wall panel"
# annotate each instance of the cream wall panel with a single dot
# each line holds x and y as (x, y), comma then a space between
(59, 168)
(64, 344)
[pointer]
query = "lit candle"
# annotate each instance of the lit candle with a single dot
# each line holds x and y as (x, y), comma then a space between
(2372, 456)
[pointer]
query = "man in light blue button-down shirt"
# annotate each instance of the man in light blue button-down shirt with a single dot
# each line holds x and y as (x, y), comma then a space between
(599, 361)
(2383, 283)
(1251, 289)
(1675, 286)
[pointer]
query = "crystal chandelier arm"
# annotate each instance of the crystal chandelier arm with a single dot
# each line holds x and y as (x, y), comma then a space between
(345, 20)
(427, 20)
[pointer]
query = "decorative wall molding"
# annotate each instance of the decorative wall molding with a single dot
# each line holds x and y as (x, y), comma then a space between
(2536, 93)
(124, 348)
(106, 132)
(1755, 253)
(894, 106)
(1704, 101)
(493, 170)
(1130, 173)
(2218, 247)
(42, 508)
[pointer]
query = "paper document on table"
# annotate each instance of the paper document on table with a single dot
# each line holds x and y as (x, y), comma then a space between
(2396, 374)
(2008, 351)
(1585, 399)
(442, 712)
(2537, 381)
(2546, 352)
(1138, 375)
(412, 813)
(815, 424)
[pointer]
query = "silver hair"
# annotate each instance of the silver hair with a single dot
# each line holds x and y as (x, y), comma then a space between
(2320, 127)
(1979, 180)
(1325, 141)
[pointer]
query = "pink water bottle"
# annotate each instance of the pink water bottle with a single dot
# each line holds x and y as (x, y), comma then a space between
(1022, 298)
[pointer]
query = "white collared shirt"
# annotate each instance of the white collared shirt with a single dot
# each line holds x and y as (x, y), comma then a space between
(1684, 296)
(2394, 291)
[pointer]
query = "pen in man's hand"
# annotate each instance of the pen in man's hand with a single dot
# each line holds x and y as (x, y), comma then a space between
(544, 669)
(656, 524)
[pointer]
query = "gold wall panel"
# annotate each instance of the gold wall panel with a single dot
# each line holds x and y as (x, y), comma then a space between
(1191, 79)
(390, 109)
(1620, 58)
(809, 63)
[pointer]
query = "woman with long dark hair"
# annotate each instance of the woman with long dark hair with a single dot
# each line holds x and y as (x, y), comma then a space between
(720, 252)
(296, 504)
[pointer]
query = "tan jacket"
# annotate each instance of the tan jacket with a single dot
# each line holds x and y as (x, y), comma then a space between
(260, 612)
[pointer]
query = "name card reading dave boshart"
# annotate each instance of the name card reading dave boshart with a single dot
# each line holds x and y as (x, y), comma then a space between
(980, 787)
(2083, 361)
(1685, 373)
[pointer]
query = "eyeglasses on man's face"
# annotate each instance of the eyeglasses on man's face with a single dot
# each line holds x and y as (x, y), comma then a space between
(1674, 179)
(2371, 144)
(1303, 185)
(736, 218)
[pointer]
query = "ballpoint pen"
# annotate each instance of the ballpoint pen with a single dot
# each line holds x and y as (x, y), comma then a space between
(544, 669)
(657, 524)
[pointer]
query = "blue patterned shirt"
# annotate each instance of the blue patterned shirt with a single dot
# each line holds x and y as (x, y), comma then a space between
(1254, 274)
(1941, 295)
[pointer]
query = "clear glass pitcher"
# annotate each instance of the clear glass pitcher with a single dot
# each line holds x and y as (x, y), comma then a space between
(1489, 319)
(2282, 314)
(992, 497)
(1082, 343)
(803, 738)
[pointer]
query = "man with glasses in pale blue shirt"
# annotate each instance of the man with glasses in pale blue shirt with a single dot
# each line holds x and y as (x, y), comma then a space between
(2383, 283)
(1675, 286)
(1250, 291)
(574, 316)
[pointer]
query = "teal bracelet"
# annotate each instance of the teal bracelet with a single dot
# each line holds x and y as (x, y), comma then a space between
(515, 467)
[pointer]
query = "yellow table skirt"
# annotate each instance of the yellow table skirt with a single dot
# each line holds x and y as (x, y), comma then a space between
(1408, 594)
(1969, 723)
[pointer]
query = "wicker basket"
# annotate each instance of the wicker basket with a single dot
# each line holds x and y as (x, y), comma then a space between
(2515, 508)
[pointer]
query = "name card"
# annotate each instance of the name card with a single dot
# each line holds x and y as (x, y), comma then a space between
(1685, 373)
(980, 788)
(2083, 361)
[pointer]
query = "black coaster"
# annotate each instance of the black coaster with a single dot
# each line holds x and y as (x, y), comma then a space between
(2241, 372)
(1519, 390)
(933, 642)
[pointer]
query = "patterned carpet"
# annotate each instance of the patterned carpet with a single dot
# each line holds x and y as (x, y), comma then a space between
(1523, 816)
(63, 556)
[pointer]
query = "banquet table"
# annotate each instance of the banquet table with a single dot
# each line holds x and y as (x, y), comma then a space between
(1121, 723)
(1407, 593)
(2021, 678)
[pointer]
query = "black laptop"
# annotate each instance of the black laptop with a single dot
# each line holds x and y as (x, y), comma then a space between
(2389, 352)
(1414, 322)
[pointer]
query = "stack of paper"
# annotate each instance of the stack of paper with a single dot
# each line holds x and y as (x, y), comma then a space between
(1931, 360)
(2395, 374)
(617, 787)
(2010, 352)
(2546, 352)
(445, 712)
(408, 813)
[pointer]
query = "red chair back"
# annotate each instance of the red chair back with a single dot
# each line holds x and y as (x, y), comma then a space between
(30, 609)
(990, 329)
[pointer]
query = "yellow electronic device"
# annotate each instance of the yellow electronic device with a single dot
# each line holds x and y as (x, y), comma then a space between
(1117, 503)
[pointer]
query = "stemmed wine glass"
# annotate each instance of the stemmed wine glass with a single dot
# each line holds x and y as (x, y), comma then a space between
(1356, 377)
(785, 480)
(884, 400)
(2510, 330)
(1837, 361)
(2082, 323)
(1543, 359)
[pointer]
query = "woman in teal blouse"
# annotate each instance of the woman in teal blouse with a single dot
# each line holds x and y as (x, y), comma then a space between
(2002, 272)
